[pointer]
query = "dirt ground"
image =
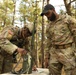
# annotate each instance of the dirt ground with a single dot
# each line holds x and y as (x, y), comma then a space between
(20, 65)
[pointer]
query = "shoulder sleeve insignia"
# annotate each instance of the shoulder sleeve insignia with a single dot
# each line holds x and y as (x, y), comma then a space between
(9, 34)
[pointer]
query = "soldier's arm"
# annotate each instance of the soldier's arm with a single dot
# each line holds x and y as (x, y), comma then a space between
(5, 43)
(47, 46)
(48, 40)
(8, 46)
(72, 25)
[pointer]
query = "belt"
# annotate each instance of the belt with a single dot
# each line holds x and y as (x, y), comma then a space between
(64, 46)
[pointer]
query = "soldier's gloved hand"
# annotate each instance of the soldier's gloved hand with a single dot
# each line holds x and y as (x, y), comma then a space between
(22, 51)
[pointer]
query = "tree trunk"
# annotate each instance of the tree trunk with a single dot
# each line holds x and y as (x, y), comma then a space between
(68, 7)
(48, 1)
(14, 12)
(75, 9)
(5, 17)
(42, 48)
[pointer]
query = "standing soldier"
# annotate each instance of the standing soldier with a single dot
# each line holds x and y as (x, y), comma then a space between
(61, 35)
(12, 41)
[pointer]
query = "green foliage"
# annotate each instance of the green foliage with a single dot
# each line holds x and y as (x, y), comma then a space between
(29, 10)
(6, 10)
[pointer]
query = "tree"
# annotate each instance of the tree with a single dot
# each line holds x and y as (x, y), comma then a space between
(68, 6)
(6, 12)
(14, 11)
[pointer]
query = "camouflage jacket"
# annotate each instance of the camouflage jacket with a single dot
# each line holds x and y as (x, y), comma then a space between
(60, 31)
(10, 41)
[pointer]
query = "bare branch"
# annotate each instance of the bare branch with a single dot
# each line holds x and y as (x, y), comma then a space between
(71, 1)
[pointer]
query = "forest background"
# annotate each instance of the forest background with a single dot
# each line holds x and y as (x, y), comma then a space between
(21, 12)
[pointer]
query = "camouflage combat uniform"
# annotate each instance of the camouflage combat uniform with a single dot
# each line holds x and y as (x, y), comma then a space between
(61, 45)
(9, 42)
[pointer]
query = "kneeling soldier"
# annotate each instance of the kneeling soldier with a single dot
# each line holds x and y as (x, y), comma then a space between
(13, 41)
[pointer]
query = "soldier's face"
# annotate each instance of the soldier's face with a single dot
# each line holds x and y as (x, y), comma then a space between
(25, 32)
(51, 15)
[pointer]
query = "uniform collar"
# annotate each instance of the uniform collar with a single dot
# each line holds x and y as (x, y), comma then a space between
(61, 17)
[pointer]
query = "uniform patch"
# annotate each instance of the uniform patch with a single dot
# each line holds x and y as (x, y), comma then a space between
(9, 34)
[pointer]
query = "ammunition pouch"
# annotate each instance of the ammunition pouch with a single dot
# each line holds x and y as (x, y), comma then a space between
(26, 66)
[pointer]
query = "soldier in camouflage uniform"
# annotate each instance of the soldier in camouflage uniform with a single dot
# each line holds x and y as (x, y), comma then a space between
(12, 41)
(61, 35)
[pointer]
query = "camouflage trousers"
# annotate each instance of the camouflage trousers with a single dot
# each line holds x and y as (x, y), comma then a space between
(60, 58)
(5, 64)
